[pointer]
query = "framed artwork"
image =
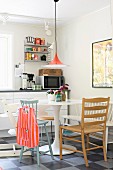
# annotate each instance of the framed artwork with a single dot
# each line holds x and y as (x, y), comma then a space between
(102, 64)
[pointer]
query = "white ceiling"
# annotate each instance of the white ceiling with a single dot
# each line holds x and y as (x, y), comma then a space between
(38, 11)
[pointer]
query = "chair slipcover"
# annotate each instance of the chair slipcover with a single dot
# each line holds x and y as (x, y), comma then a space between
(27, 128)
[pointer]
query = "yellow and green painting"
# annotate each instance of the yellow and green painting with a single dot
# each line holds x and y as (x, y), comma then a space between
(102, 62)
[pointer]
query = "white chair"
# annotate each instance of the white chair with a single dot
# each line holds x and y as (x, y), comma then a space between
(109, 125)
(76, 117)
(11, 110)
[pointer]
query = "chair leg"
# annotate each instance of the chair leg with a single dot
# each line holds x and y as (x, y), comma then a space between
(106, 138)
(38, 155)
(32, 152)
(83, 149)
(51, 132)
(60, 143)
(41, 133)
(65, 121)
(21, 153)
(50, 148)
(87, 141)
(104, 146)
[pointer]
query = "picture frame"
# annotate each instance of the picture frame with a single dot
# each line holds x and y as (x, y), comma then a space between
(102, 64)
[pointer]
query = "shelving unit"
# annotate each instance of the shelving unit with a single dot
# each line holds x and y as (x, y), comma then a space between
(37, 53)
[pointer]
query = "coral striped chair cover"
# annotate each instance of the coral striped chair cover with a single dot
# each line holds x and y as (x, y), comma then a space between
(27, 128)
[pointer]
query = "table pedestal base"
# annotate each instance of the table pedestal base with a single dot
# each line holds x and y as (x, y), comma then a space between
(56, 150)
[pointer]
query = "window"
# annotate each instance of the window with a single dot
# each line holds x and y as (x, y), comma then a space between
(102, 58)
(6, 62)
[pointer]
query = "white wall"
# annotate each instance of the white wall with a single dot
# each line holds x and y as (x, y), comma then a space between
(75, 49)
(20, 31)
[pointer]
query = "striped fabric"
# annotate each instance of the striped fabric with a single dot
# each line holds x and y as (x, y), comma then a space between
(27, 128)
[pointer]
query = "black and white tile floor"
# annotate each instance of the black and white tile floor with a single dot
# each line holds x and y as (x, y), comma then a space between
(70, 162)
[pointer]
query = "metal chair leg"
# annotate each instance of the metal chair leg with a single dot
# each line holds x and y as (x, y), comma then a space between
(32, 152)
(50, 149)
(38, 155)
(51, 132)
(21, 153)
(41, 133)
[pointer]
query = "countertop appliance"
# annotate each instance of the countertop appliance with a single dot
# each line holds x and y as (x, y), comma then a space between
(27, 81)
(50, 82)
(30, 81)
(24, 77)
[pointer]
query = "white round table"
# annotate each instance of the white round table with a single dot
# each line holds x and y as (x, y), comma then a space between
(43, 104)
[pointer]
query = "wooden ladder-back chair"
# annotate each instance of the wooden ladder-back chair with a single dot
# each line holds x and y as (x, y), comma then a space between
(93, 119)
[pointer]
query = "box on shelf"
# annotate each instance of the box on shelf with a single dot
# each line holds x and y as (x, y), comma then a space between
(50, 72)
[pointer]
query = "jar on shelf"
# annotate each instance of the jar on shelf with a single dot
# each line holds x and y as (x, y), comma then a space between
(35, 57)
(34, 49)
(26, 56)
(38, 41)
(39, 49)
(30, 56)
(42, 41)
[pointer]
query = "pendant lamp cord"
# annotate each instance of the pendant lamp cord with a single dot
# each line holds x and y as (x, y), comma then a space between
(55, 31)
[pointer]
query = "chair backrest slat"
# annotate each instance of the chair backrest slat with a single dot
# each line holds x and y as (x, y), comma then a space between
(30, 103)
(96, 100)
(94, 123)
(95, 108)
(95, 115)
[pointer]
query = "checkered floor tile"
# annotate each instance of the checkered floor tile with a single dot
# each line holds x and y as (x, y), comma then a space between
(70, 162)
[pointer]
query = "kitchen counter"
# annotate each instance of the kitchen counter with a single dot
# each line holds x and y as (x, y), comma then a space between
(7, 91)
(43, 90)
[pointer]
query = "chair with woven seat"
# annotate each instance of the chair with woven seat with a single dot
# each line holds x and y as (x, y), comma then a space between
(76, 119)
(33, 104)
(46, 117)
(93, 119)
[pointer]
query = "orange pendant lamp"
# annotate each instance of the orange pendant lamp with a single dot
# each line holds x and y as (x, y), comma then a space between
(55, 63)
(56, 60)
